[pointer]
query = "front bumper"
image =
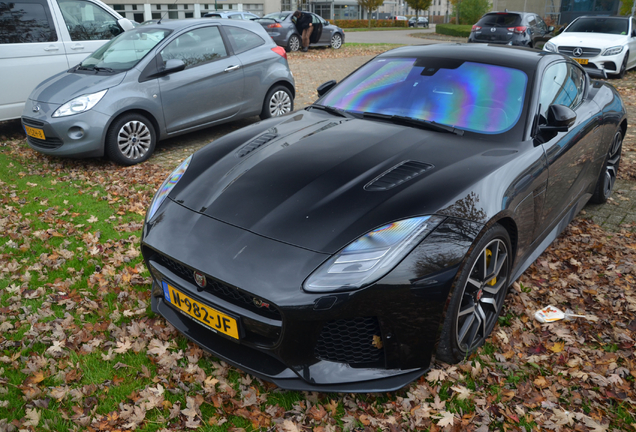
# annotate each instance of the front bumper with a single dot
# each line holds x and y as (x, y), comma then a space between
(79, 135)
(379, 338)
(592, 58)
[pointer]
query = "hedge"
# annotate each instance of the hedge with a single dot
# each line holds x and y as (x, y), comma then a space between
(374, 23)
(453, 30)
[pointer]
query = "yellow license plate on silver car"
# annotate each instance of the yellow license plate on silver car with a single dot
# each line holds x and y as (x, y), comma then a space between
(580, 61)
(34, 132)
(206, 315)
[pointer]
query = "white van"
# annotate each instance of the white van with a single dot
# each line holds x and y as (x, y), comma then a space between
(39, 38)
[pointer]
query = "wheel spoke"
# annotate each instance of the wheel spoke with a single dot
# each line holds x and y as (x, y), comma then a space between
(467, 310)
(494, 289)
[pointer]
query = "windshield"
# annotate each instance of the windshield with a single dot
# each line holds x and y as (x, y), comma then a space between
(500, 20)
(469, 96)
(599, 25)
(124, 52)
(277, 15)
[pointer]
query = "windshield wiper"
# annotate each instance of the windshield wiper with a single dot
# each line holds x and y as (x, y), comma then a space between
(410, 121)
(94, 68)
(103, 69)
(332, 110)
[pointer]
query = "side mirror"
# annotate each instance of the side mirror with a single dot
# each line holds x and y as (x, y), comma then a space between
(173, 65)
(550, 29)
(325, 87)
(559, 31)
(560, 118)
(125, 24)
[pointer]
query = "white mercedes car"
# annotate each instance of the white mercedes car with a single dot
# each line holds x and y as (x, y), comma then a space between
(599, 42)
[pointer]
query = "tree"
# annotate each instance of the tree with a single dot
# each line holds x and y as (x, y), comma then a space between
(469, 11)
(419, 5)
(370, 5)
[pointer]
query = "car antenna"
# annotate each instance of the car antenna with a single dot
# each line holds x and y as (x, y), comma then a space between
(164, 15)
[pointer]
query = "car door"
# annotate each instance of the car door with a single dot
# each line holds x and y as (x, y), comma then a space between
(209, 89)
(571, 155)
(31, 50)
(88, 26)
(325, 36)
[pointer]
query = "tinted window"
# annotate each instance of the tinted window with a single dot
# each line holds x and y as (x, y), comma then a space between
(26, 21)
(500, 20)
(86, 21)
(125, 51)
(541, 24)
(471, 96)
(617, 26)
(562, 84)
(243, 40)
(196, 47)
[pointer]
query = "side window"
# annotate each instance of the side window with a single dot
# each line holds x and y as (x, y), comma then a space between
(243, 40)
(237, 16)
(26, 21)
(196, 47)
(562, 84)
(541, 24)
(531, 21)
(87, 21)
(249, 16)
(315, 19)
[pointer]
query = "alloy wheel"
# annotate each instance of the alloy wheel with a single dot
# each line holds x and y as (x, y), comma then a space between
(336, 41)
(279, 103)
(134, 139)
(483, 296)
(613, 161)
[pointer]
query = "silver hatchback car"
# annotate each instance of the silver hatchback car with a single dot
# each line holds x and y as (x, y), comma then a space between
(157, 81)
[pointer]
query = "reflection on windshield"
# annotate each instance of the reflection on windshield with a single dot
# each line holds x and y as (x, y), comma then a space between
(125, 51)
(599, 25)
(470, 96)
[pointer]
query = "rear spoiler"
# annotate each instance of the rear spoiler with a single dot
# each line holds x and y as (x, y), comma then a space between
(596, 73)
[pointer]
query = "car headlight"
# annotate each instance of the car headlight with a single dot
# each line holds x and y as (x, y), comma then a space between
(550, 47)
(79, 104)
(613, 50)
(371, 256)
(168, 184)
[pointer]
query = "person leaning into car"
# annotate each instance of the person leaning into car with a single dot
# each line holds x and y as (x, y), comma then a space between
(304, 26)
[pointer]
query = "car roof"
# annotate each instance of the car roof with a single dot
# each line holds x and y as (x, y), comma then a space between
(525, 59)
(178, 24)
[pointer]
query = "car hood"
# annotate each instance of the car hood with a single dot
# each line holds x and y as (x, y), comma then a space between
(592, 40)
(64, 86)
(316, 181)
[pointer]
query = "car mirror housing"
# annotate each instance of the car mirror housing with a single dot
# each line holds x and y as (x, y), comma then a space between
(325, 87)
(550, 29)
(560, 118)
(174, 65)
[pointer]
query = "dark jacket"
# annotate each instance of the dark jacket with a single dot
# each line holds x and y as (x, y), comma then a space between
(303, 21)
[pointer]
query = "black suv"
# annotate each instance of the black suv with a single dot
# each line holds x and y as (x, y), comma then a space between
(511, 28)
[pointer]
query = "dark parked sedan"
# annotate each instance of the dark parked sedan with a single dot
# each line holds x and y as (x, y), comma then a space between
(512, 28)
(281, 28)
(339, 248)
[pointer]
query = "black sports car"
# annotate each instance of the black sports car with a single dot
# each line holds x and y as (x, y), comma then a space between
(338, 248)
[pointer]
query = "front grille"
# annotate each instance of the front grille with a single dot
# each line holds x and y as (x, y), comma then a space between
(587, 52)
(221, 290)
(49, 143)
(351, 341)
(30, 122)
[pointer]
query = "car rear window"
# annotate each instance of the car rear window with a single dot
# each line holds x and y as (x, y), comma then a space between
(475, 97)
(500, 20)
(277, 15)
(599, 25)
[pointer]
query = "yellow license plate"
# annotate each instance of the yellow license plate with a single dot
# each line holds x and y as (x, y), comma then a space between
(35, 133)
(580, 61)
(210, 317)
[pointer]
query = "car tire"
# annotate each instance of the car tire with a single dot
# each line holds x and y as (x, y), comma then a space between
(278, 102)
(293, 44)
(131, 139)
(607, 177)
(336, 41)
(623, 70)
(478, 296)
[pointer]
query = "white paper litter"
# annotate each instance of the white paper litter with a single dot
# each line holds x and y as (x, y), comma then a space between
(550, 314)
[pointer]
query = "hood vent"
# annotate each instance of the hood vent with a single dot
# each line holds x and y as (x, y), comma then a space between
(256, 143)
(402, 172)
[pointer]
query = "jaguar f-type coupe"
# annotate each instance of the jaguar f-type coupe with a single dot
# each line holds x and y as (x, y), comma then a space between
(341, 247)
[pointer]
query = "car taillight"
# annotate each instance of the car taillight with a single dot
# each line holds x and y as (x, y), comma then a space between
(280, 51)
(476, 28)
(518, 30)
(275, 25)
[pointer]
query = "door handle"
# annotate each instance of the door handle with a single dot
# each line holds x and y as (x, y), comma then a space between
(232, 68)
(51, 48)
(77, 47)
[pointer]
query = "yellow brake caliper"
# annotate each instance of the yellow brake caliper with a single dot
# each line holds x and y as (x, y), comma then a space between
(488, 256)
